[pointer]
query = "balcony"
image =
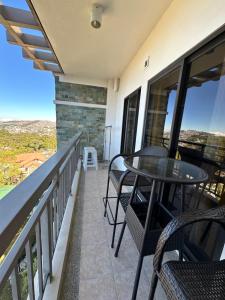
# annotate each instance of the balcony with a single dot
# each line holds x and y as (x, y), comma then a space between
(54, 239)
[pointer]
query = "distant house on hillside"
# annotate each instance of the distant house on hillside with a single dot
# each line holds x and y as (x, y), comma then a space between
(30, 161)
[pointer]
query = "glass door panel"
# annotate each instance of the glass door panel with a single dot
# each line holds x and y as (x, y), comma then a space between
(160, 109)
(130, 119)
(202, 139)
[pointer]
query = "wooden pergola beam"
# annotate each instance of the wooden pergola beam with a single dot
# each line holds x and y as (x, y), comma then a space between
(34, 13)
(40, 56)
(19, 17)
(29, 40)
(48, 67)
(16, 36)
(12, 19)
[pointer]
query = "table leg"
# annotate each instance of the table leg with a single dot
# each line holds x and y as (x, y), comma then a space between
(147, 227)
(181, 211)
(134, 189)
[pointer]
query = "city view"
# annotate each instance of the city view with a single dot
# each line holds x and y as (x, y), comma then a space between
(24, 146)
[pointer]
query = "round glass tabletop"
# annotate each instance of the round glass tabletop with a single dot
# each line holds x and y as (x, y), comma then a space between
(166, 169)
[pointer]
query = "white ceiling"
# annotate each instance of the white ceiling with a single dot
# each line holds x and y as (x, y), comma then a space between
(102, 53)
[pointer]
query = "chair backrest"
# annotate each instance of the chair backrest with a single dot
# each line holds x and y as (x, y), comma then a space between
(153, 150)
(190, 155)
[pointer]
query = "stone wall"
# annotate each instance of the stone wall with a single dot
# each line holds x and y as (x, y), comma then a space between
(72, 119)
(80, 93)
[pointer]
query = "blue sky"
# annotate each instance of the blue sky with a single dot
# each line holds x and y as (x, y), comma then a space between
(204, 108)
(25, 93)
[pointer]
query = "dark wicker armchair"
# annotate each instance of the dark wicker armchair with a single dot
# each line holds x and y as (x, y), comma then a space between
(187, 280)
(120, 178)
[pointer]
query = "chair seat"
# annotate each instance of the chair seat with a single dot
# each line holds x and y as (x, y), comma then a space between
(115, 176)
(193, 281)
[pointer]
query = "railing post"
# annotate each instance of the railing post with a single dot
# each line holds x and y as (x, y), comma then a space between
(57, 204)
(39, 259)
(14, 282)
(46, 242)
(30, 272)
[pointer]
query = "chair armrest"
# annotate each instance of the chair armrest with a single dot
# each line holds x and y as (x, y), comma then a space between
(216, 215)
(115, 157)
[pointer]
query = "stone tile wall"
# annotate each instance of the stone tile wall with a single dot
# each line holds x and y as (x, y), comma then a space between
(71, 120)
(80, 93)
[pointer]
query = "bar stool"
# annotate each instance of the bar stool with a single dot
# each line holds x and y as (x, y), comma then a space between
(121, 178)
(90, 158)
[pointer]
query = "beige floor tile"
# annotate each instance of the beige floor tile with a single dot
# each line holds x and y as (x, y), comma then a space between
(96, 273)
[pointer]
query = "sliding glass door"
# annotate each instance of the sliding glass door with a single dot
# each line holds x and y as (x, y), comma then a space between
(202, 134)
(186, 113)
(161, 103)
(130, 119)
(202, 138)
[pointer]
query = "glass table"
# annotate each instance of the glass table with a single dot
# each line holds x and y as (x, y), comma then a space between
(160, 171)
(166, 169)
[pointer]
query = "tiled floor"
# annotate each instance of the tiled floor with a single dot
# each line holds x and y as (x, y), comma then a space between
(92, 271)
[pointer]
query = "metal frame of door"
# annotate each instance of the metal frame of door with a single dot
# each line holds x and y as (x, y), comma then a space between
(137, 92)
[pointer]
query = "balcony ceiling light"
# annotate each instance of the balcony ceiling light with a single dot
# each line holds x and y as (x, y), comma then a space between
(96, 15)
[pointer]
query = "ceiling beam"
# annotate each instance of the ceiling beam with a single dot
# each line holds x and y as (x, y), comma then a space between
(19, 17)
(41, 56)
(49, 67)
(28, 40)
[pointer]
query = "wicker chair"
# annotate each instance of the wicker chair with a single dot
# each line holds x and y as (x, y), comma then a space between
(187, 280)
(121, 178)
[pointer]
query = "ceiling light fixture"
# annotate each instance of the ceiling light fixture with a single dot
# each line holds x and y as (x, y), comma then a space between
(96, 15)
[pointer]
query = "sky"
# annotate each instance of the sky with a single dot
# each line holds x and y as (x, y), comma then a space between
(204, 108)
(25, 93)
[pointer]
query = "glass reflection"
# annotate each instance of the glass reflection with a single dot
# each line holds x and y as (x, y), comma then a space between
(131, 109)
(160, 110)
(202, 142)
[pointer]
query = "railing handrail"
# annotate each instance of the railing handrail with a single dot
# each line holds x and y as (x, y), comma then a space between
(17, 205)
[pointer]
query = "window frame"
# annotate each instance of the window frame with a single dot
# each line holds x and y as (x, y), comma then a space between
(184, 62)
(124, 120)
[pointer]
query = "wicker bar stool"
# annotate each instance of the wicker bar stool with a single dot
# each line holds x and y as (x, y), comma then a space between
(187, 280)
(146, 223)
(121, 178)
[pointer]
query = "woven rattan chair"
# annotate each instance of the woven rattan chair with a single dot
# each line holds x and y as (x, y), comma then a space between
(187, 280)
(121, 178)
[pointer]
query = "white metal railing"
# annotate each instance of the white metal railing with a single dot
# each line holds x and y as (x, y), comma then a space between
(30, 221)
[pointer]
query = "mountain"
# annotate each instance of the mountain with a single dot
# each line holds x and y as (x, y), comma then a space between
(35, 126)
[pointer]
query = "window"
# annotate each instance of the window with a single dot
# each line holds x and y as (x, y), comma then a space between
(202, 135)
(160, 111)
(197, 134)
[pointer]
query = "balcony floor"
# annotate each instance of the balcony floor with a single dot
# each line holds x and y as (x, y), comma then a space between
(92, 271)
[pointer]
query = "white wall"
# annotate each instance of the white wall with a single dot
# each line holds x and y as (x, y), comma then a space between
(110, 118)
(183, 25)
